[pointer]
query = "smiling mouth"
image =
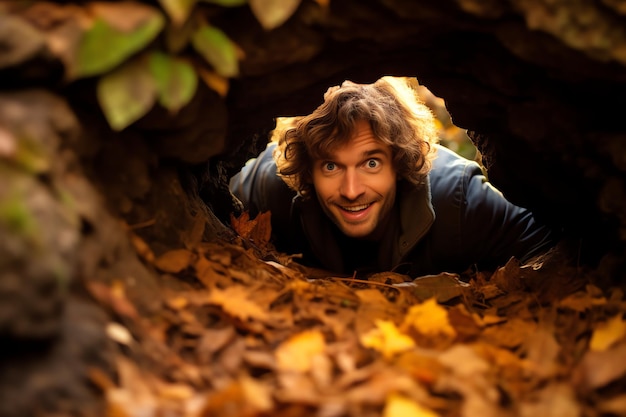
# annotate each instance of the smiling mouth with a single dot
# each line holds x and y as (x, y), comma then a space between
(355, 209)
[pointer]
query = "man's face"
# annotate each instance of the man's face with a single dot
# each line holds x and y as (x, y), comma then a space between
(356, 184)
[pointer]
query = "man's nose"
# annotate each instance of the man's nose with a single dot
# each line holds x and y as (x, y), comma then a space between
(351, 185)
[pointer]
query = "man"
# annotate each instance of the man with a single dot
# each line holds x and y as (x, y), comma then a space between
(361, 185)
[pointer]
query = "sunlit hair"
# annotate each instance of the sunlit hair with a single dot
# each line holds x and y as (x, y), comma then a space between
(396, 115)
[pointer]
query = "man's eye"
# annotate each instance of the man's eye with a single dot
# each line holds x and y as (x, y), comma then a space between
(373, 163)
(329, 166)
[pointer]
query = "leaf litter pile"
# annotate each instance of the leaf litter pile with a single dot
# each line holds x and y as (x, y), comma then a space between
(239, 334)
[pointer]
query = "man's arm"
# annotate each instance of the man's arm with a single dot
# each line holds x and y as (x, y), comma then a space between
(496, 229)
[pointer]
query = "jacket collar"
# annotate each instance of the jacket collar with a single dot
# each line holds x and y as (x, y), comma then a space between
(416, 216)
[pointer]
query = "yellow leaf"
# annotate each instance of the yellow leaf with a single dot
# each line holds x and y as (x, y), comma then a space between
(297, 352)
(607, 334)
(174, 261)
(273, 13)
(257, 394)
(429, 319)
(235, 301)
(387, 339)
(400, 406)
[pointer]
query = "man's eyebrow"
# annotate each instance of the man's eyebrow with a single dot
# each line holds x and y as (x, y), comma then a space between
(373, 152)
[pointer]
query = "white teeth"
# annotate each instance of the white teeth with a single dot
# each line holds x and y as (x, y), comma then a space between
(356, 208)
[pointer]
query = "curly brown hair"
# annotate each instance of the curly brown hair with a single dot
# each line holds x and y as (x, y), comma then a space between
(397, 116)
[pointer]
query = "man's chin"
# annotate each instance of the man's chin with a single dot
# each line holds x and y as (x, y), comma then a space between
(356, 232)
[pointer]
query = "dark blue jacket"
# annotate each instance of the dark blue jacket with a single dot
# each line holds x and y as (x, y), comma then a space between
(456, 220)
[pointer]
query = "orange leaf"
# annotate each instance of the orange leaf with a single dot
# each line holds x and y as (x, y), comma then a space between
(297, 352)
(257, 230)
(608, 333)
(235, 301)
(174, 261)
(242, 224)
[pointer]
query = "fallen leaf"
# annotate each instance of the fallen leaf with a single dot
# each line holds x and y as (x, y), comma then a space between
(581, 301)
(443, 287)
(257, 394)
(511, 333)
(297, 352)
(257, 230)
(599, 368)
(236, 302)
(608, 333)
(428, 319)
(174, 261)
(387, 339)
(401, 406)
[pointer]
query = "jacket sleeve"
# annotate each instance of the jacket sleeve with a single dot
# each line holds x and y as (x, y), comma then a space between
(494, 228)
(260, 189)
(475, 223)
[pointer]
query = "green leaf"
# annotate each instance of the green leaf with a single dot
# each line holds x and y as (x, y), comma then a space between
(273, 13)
(178, 10)
(176, 80)
(104, 47)
(127, 93)
(217, 49)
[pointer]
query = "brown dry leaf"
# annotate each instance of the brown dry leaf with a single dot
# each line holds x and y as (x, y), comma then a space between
(262, 232)
(599, 368)
(467, 326)
(236, 302)
(241, 397)
(373, 305)
(422, 365)
(554, 400)
(298, 352)
(243, 225)
(212, 340)
(114, 297)
(257, 230)
(511, 333)
(135, 396)
(469, 376)
(443, 287)
(608, 333)
(542, 351)
(142, 248)
(581, 301)
(210, 273)
(381, 382)
(174, 261)
(387, 339)
(613, 406)
(296, 387)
